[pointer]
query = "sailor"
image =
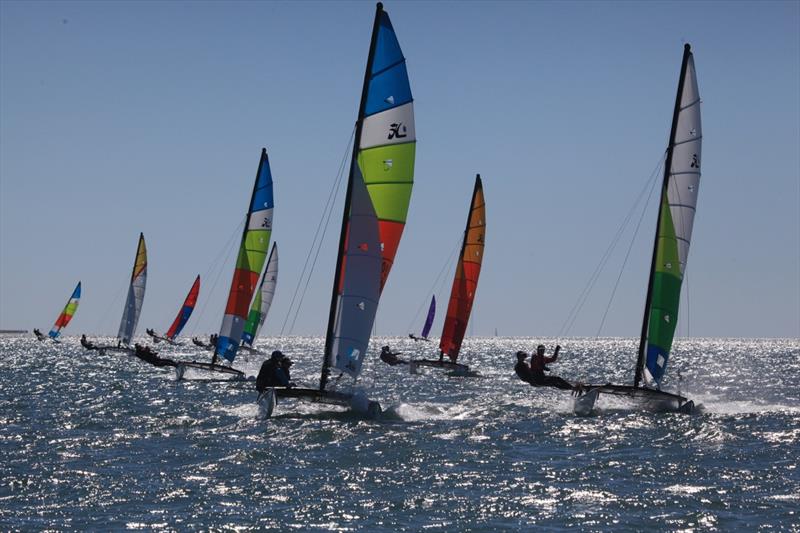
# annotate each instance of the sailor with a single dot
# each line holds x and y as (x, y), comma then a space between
(283, 375)
(539, 361)
(534, 374)
(266, 375)
(145, 353)
(38, 333)
(86, 343)
(389, 357)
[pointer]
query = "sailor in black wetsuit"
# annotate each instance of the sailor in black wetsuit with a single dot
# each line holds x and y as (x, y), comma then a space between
(534, 374)
(145, 353)
(86, 343)
(267, 374)
(389, 357)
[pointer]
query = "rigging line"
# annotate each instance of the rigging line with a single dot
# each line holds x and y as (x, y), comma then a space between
(688, 305)
(625, 261)
(324, 217)
(103, 319)
(572, 316)
(433, 290)
(225, 252)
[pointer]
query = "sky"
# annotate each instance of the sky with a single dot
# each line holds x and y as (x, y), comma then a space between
(125, 117)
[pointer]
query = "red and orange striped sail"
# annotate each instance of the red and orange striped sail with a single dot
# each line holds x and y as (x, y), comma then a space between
(468, 270)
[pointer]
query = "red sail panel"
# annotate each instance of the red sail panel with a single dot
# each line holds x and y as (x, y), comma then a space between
(465, 282)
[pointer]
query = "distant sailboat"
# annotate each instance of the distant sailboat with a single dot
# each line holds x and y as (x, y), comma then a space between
(677, 205)
(64, 318)
(133, 304)
(183, 316)
(426, 328)
(376, 203)
(465, 284)
(250, 260)
(262, 301)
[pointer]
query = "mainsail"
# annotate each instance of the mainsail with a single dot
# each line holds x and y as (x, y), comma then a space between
(376, 203)
(426, 329)
(249, 262)
(263, 299)
(674, 228)
(185, 312)
(133, 304)
(468, 270)
(67, 314)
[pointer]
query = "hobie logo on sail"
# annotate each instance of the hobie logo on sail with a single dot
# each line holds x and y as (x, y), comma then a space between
(397, 130)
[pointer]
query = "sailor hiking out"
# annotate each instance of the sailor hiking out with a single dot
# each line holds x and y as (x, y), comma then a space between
(535, 373)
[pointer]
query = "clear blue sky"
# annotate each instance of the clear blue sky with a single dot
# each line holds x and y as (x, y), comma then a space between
(121, 117)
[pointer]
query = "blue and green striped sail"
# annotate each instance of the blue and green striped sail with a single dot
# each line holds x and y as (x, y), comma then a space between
(381, 180)
(674, 233)
(250, 260)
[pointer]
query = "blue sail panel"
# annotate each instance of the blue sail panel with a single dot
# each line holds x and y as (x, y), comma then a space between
(387, 48)
(388, 89)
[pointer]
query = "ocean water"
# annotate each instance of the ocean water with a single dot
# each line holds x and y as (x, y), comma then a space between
(108, 442)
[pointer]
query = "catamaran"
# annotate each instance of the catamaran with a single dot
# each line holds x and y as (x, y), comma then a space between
(250, 260)
(426, 328)
(677, 205)
(378, 193)
(63, 319)
(133, 305)
(182, 318)
(261, 302)
(462, 294)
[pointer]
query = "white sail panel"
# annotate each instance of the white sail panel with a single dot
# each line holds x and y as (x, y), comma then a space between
(268, 285)
(393, 126)
(684, 180)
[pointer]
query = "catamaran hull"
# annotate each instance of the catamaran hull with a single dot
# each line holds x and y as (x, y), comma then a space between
(225, 371)
(456, 369)
(357, 402)
(266, 401)
(651, 398)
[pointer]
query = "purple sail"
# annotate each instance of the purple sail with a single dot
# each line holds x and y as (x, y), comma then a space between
(429, 321)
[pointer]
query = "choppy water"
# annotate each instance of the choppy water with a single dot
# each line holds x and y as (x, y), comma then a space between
(107, 442)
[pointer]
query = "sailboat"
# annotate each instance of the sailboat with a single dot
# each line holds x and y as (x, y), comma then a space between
(133, 304)
(376, 204)
(250, 260)
(63, 319)
(465, 283)
(426, 328)
(677, 204)
(182, 318)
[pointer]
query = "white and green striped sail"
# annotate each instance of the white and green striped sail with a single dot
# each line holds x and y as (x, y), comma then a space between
(674, 233)
(263, 299)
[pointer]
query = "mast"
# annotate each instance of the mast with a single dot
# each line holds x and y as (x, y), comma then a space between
(667, 171)
(346, 214)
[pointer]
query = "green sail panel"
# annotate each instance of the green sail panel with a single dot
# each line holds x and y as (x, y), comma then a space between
(678, 206)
